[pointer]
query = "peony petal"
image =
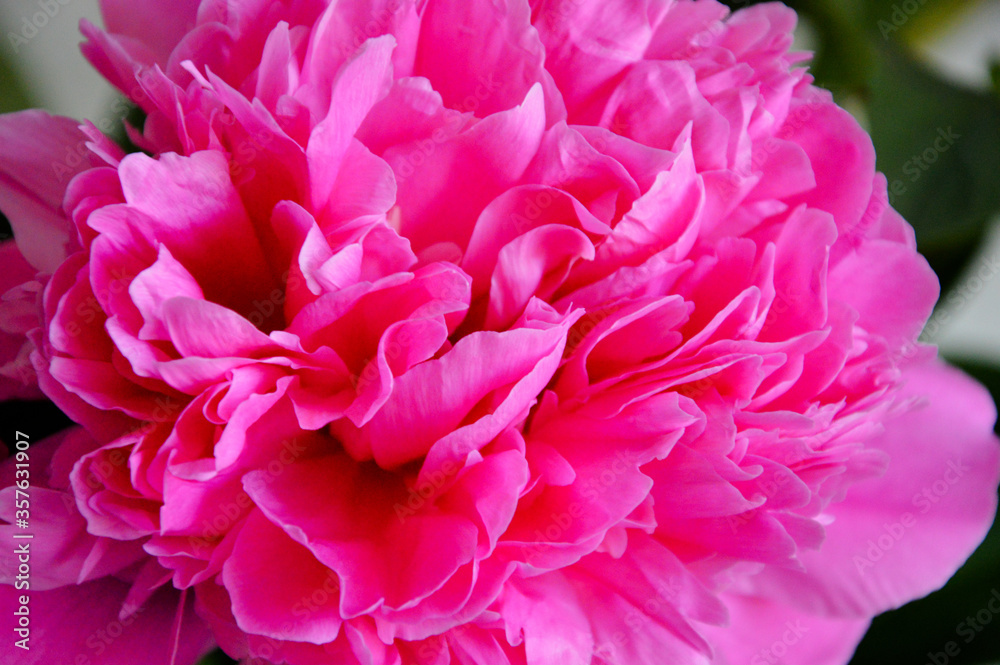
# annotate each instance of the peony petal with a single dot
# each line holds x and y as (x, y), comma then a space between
(75, 622)
(901, 536)
(500, 57)
(266, 561)
(159, 27)
(206, 219)
(435, 397)
(479, 163)
(19, 313)
(40, 154)
(360, 84)
(761, 631)
(428, 547)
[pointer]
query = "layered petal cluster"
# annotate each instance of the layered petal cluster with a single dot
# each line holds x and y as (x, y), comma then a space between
(480, 332)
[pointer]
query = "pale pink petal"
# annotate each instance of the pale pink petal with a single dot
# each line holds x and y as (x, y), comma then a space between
(761, 631)
(901, 536)
(40, 155)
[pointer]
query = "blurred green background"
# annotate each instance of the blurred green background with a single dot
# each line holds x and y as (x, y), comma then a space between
(872, 54)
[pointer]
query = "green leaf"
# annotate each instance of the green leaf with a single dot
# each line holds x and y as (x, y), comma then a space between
(939, 146)
(14, 95)
(217, 657)
(845, 57)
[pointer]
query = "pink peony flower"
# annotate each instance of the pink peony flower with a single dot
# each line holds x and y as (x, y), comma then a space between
(475, 332)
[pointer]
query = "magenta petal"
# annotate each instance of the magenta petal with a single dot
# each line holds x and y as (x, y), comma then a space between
(276, 73)
(433, 398)
(194, 209)
(19, 313)
(62, 551)
(474, 332)
(842, 160)
(83, 621)
(898, 308)
(480, 163)
(361, 82)
(489, 68)
(545, 613)
(272, 579)
(158, 26)
(153, 287)
(533, 265)
(424, 549)
(201, 328)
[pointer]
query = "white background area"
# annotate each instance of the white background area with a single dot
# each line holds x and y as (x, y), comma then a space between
(966, 327)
